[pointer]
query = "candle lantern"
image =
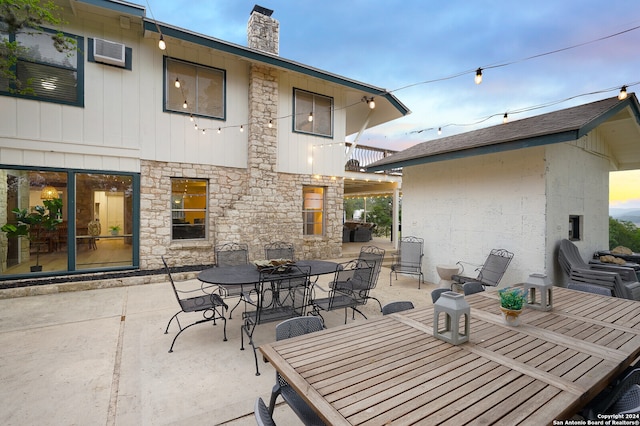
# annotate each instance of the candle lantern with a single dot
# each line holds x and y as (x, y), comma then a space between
(456, 310)
(540, 294)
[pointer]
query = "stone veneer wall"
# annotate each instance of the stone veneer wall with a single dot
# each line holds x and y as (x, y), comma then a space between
(237, 213)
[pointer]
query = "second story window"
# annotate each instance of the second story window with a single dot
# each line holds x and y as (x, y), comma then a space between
(194, 89)
(44, 72)
(313, 113)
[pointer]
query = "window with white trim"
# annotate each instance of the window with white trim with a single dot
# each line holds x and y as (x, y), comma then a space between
(194, 89)
(313, 113)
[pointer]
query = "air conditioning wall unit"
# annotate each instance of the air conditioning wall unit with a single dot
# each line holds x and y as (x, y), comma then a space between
(109, 52)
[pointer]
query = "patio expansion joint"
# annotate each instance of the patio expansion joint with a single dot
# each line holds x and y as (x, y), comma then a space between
(115, 381)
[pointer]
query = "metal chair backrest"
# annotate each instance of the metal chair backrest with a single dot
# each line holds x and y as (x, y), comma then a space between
(279, 250)
(173, 284)
(494, 267)
(400, 306)
(373, 256)
(410, 252)
(352, 280)
(435, 294)
(231, 254)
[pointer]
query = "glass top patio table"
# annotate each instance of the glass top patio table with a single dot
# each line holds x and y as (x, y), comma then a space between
(249, 274)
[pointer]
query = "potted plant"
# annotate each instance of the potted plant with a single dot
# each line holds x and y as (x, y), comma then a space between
(512, 300)
(114, 229)
(32, 225)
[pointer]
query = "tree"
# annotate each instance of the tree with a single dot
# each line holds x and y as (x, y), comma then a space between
(624, 233)
(27, 16)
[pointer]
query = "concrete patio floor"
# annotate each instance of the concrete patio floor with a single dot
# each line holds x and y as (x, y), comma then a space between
(99, 357)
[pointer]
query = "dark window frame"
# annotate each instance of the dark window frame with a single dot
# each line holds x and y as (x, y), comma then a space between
(301, 118)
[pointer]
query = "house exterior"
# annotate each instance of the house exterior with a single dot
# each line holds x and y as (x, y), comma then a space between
(171, 152)
(522, 186)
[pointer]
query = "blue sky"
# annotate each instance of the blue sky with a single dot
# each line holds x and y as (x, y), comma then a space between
(393, 44)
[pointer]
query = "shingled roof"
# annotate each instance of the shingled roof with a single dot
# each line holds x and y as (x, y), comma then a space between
(554, 127)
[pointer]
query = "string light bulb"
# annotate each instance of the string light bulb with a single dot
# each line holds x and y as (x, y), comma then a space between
(372, 104)
(478, 78)
(310, 118)
(439, 130)
(505, 119)
(219, 130)
(177, 83)
(191, 117)
(241, 128)
(623, 93)
(270, 123)
(161, 44)
(196, 126)
(184, 105)
(203, 131)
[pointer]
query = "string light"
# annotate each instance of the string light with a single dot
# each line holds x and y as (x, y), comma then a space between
(161, 44)
(184, 105)
(270, 123)
(177, 83)
(505, 119)
(310, 118)
(478, 78)
(241, 128)
(623, 93)
(439, 130)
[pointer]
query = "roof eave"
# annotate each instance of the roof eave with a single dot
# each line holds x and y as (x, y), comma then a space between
(565, 136)
(269, 59)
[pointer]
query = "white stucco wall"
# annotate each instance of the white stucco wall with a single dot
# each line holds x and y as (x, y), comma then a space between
(577, 184)
(517, 200)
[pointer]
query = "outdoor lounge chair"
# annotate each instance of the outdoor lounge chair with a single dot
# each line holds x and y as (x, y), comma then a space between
(490, 273)
(590, 288)
(408, 260)
(350, 288)
(622, 281)
(211, 306)
(232, 254)
(291, 328)
(282, 293)
(608, 280)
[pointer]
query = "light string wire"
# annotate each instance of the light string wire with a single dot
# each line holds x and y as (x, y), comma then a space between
(523, 110)
(450, 77)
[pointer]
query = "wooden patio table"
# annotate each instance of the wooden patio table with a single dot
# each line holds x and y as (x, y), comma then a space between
(391, 370)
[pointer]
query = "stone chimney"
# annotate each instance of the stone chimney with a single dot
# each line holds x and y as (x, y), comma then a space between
(263, 32)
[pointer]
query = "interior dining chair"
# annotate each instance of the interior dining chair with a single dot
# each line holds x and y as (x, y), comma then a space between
(291, 328)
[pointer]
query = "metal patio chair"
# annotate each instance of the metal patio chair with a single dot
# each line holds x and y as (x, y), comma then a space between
(393, 307)
(282, 293)
(408, 260)
(291, 328)
(435, 294)
(489, 273)
(373, 256)
(350, 288)
(279, 250)
(211, 306)
(261, 412)
(622, 397)
(232, 254)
